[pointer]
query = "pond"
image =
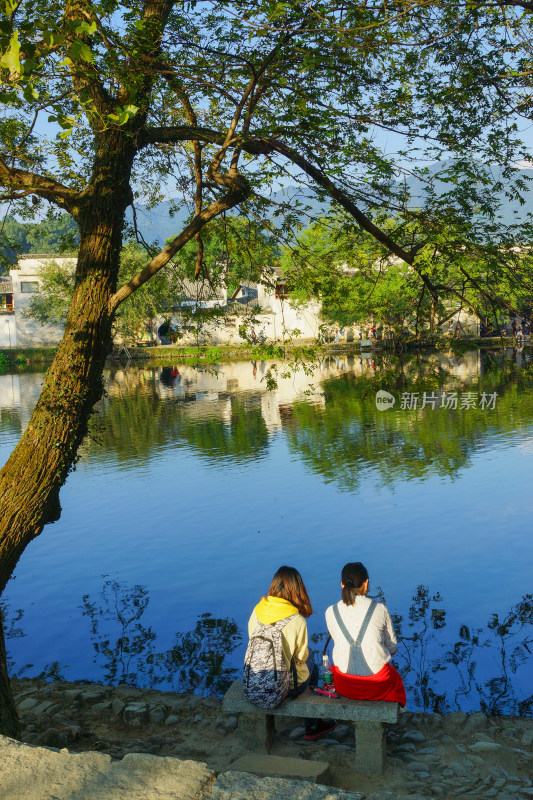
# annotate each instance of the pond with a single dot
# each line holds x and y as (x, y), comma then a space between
(197, 483)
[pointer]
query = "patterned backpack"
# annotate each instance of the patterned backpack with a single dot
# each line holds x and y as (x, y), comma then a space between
(266, 679)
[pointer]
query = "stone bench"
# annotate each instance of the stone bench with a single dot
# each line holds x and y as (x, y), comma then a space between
(257, 726)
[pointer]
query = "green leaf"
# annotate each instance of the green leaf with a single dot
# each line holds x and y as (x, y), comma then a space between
(7, 7)
(85, 27)
(79, 51)
(30, 93)
(123, 115)
(11, 58)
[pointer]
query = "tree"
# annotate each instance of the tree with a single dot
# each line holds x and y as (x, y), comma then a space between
(140, 96)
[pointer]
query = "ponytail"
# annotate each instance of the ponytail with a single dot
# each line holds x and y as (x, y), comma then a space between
(353, 576)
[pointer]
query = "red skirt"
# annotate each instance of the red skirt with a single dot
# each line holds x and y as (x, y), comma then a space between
(386, 684)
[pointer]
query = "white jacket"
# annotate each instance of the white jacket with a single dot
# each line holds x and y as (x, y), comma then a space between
(379, 642)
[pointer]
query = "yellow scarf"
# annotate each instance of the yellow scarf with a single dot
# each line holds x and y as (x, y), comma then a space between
(272, 609)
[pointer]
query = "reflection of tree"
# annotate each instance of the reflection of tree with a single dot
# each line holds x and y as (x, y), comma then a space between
(124, 646)
(10, 421)
(135, 426)
(244, 438)
(349, 436)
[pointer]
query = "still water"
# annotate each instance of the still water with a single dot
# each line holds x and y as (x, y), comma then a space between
(197, 483)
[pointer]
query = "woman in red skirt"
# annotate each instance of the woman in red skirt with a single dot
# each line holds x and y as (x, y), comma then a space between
(363, 642)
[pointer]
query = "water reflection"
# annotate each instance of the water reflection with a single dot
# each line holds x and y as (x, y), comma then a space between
(193, 472)
(477, 668)
(328, 414)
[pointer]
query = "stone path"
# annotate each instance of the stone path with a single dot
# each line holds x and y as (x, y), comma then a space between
(428, 755)
(38, 773)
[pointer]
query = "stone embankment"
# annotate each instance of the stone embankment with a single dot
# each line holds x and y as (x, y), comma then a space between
(133, 739)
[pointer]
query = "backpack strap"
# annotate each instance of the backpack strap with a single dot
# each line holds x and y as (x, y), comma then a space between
(362, 630)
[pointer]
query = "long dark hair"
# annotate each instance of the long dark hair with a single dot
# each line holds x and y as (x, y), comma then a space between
(353, 576)
(287, 583)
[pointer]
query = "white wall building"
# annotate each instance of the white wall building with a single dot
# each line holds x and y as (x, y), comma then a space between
(16, 294)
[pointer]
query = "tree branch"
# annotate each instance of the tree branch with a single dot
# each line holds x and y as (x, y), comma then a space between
(241, 189)
(26, 183)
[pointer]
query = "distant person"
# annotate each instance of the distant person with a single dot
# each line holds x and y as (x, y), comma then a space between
(253, 336)
(281, 618)
(513, 327)
(363, 642)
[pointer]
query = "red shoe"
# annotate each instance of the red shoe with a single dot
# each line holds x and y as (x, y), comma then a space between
(320, 727)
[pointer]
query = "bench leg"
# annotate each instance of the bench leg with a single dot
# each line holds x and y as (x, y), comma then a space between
(257, 731)
(370, 747)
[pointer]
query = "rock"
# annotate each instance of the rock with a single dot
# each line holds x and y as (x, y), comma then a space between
(408, 747)
(482, 737)
(458, 768)
(413, 736)
(157, 715)
(422, 775)
(341, 733)
(117, 707)
(447, 739)
(479, 746)
(197, 718)
(281, 767)
(296, 733)
(91, 697)
(425, 751)
(73, 733)
(172, 719)
(136, 714)
(414, 766)
(103, 707)
(52, 738)
(45, 708)
(476, 722)
(72, 694)
(527, 738)
(230, 723)
(45, 773)
(28, 704)
(211, 702)
(242, 786)
(526, 791)
(454, 720)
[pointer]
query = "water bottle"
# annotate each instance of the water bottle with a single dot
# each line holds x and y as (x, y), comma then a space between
(327, 675)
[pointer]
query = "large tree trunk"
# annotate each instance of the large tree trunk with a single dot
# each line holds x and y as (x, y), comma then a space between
(9, 721)
(31, 479)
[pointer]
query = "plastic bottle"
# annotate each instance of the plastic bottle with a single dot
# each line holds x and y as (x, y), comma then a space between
(327, 675)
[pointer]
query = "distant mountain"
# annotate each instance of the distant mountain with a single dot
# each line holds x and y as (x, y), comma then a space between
(511, 211)
(157, 224)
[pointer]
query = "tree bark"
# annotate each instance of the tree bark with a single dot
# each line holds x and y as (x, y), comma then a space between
(9, 721)
(32, 477)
